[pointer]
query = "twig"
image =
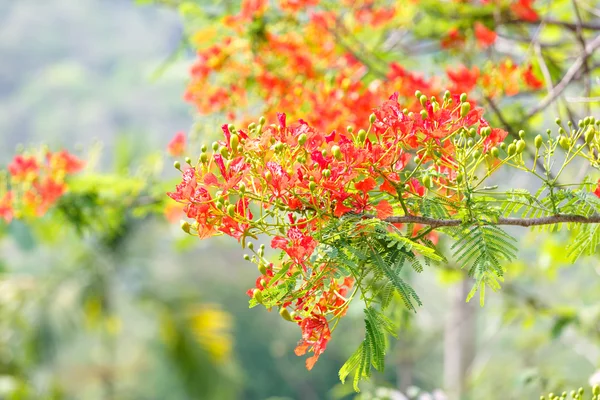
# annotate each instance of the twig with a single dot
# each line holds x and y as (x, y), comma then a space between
(567, 78)
(526, 222)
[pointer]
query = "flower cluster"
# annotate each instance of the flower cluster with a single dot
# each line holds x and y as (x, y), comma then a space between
(35, 182)
(317, 66)
(288, 181)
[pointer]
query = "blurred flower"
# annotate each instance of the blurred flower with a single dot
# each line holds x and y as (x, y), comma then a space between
(485, 37)
(177, 145)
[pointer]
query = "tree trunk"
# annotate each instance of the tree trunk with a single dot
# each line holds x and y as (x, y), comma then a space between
(459, 340)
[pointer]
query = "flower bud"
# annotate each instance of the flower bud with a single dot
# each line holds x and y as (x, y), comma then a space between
(538, 141)
(447, 95)
(231, 210)
(495, 152)
(337, 152)
(463, 97)
(215, 146)
(470, 143)
(234, 141)
(268, 176)
(350, 129)
(476, 153)
(503, 145)
(464, 109)
(558, 121)
(262, 120)
(326, 173)
(188, 161)
(203, 148)
(204, 158)
(177, 165)
(372, 118)
(512, 149)
(242, 187)
(459, 177)
(257, 295)
(246, 257)
(487, 131)
(563, 142)
(423, 100)
(521, 145)
(312, 186)
(589, 136)
(251, 246)
(251, 126)
(285, 314)
(427, 181)
(224, 151)
(231, 128)
(185, 226)
(424, 115)
(418, 94)
(302, 139)
(262, 268)
(521, 134)
(362, 135)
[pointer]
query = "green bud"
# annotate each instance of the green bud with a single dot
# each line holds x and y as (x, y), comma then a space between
(262, 120)
(538, 141)
(427, 181)
(417, 159)
(349, 129)
(521, 146)
(257, 295)
(231, 210)
(423, 100)
(596, 390)
(589, 136)
(558, 121)
(372, 118)
(470, 143)
(177, 165)
(464, 109)
(418, 94)
(447, 95)
(215, 146)
(487, 131)
(362, 135)
(268, 176)
(463, 97)
(262, 268)
(204, 158)
(424, 114)
(494, 152)
(563, 142)
(188, 161)
(521, 134)
(242, 187)
(580, 124)
(224, 151)
(337, 152)
(512, 149)
(252, 126)
(476, 153)
(324, 153)
(185, 226)
(503, 145)
(302, 139)
(312, 186)
(234, 141)
(246, 257)
(285, 314)
(459, 178)
(203, 148)
(326, 173)
(231, 128)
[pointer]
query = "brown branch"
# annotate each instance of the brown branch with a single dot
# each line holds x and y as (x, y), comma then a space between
(565, 24)
(567, 78)
(526, 222)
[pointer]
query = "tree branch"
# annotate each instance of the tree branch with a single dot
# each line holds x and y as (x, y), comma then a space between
(526, 222)
(567, 78)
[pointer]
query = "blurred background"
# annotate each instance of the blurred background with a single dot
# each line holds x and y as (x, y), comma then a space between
(142, 312)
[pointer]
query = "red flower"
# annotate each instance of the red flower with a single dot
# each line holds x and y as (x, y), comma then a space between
(531, 80)
(23, 167)
(297, 245)
(485, 37)
(315, 335)
(452, 39)
(463, 79)
(6, 210)
(524, 10)
(597, 191)
(63, 161)
(177, 145)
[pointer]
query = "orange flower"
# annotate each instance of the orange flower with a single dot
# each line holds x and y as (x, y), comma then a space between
(23, 168)
(176, 146)
(524, 10)
(485, 37)
(6, 210)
